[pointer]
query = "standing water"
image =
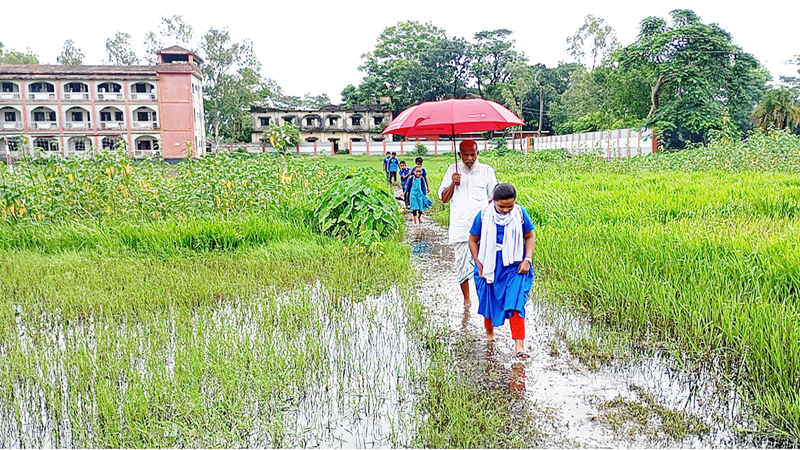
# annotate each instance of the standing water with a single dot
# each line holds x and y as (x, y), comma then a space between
(628, 404)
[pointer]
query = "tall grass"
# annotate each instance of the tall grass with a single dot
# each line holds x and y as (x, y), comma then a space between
(693, 251)
(191, 305)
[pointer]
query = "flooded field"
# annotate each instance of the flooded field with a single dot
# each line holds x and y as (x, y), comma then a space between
(643, 400)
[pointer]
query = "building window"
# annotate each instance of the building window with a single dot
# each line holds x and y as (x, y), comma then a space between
(332, 121)
(105, 116)
(109, 143)
(264, 121)
(356, 120)
(144, 145)
(46, 145)
(312, 139)
(44, 116)
(287, 119)
(77, 116)
(80, 145)
(378, 120)
(109, 87)
(76, 87)
(11, 116)
(41, 87)
(310, 121)
(13, 144)
(8, 87)
(118, 116)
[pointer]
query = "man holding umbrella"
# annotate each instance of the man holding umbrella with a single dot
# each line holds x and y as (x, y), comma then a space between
(468, 186)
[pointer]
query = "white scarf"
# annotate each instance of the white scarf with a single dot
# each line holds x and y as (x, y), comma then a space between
(513, 245)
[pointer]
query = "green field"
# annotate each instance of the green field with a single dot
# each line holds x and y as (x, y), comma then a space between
(205, 304)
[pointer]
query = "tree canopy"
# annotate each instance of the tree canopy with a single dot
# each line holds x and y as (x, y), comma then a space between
(695, 74)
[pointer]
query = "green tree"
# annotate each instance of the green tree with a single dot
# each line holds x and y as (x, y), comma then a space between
(171, 31)
(119, 50)
(517, 88)
(71, 55)
(600, 40)
(232, 85)
(778, 109)
(315, 101)
(369, 89)
(793, 82)
(492, 52)
(409, 62)
(695, 72)
(15, 57)
(549, 85)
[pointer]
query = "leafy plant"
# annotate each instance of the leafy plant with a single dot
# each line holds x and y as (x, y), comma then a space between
(283, 137)
(358, 207)
(420, 149)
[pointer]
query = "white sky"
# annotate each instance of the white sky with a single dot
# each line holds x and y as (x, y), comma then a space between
(316, 45)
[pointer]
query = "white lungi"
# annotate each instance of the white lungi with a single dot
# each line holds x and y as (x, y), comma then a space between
(465, 266)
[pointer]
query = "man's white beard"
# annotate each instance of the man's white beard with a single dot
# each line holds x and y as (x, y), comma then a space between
(467, 168)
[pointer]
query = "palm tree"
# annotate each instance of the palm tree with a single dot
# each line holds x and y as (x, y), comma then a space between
(778, 109)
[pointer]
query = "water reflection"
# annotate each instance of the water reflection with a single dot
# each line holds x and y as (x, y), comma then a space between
(563, 385)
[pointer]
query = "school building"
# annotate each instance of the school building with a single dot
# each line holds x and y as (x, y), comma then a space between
(334, 125)
(51, 110)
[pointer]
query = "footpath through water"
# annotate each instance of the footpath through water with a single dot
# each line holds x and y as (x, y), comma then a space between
(641, 401)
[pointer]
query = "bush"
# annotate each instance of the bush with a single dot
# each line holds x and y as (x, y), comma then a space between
(359, 207)
(420, 149)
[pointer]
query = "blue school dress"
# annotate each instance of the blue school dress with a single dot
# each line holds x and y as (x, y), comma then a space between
(418, 195)
(509, 292)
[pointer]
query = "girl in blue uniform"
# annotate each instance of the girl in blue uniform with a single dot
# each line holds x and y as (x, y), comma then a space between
(418, 194)
(501, 242)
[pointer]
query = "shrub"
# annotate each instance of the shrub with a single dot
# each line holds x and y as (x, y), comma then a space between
(359, 207)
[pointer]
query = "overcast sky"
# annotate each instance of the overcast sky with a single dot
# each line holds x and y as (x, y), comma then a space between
(316, 45)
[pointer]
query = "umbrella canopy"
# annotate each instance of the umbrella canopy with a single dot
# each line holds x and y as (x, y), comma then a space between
(452, 117)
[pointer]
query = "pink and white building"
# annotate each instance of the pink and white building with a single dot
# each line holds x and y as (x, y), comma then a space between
(67, 110)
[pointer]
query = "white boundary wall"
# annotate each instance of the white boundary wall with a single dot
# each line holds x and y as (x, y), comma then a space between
(622, 143)
(371, 148)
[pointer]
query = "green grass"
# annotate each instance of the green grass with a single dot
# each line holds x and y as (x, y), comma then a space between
(692, 252)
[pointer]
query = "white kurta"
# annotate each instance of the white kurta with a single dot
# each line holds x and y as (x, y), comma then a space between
(471, 196)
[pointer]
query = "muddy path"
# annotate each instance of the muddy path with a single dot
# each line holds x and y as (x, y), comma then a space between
(641, 401)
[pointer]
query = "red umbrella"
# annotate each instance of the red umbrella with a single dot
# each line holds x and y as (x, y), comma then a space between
(452, 117)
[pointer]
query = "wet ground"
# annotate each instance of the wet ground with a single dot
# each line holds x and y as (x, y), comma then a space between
(364, 397)
(643, 401)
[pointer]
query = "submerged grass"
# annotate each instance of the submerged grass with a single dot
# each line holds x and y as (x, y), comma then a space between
(468, 402)
(695, 252)
(158, 306)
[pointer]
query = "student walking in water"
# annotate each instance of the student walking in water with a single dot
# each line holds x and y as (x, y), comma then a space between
(501, 242)
(418, 195)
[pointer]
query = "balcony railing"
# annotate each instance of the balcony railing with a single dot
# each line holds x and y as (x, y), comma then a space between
(112, 125)
(143, 96)
(110, 96)
(79, 125)
(12, 125)
(42, 96)
(44, 125)
(76, 96)
(10, 96)
(145, 125)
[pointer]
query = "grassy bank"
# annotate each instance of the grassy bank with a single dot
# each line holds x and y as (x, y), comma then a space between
(694, 252)
(202, 305)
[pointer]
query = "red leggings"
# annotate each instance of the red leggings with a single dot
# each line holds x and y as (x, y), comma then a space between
(517, 325)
